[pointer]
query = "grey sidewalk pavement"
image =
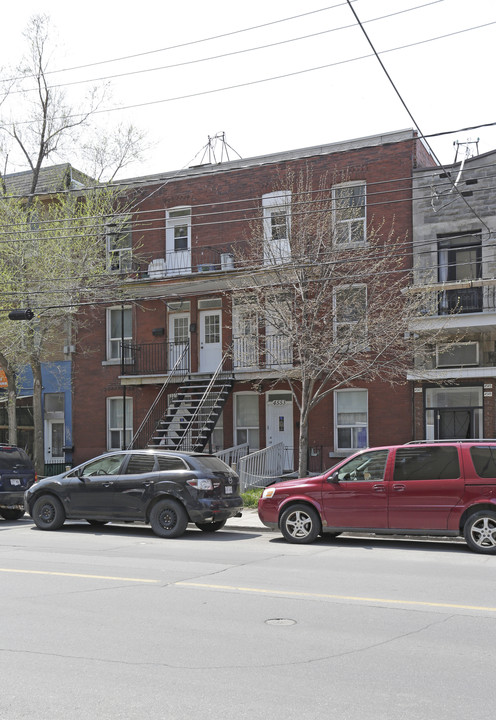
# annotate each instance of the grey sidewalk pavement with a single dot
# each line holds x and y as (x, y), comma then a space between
(248, 521)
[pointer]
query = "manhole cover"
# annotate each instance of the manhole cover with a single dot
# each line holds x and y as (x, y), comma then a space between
(280, 621)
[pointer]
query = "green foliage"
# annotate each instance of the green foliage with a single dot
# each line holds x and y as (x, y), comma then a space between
(250, 497)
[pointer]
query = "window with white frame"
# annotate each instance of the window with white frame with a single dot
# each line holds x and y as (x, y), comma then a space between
(277, 226)
(350, 420)
(119, 426)
(119, 329)
(349, 213)
(178, 241)
(350, 314)
(246, 418)
(119, 243)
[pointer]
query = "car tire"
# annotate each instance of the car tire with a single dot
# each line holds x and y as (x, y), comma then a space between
(48, 513)
(168, 518)
(211, 526)
(480, 532)
(96, 523)
(11, 513)
(300, 523)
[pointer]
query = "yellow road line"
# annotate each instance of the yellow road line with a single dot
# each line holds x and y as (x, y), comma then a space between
(356, 598)
(78, 575)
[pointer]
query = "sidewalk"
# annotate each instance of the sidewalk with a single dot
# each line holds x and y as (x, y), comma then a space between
(249, 521)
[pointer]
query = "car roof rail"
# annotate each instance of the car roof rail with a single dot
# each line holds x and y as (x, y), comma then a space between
(453, 440)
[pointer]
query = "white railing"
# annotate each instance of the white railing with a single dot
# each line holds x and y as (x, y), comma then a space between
(261, 467)
(232, 455)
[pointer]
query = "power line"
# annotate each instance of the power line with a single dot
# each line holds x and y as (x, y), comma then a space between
(251, 83)
(229, 54)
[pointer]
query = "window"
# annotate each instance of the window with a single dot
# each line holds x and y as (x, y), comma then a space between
(484, 459)
(119, 243)
(350, 314)
(140, 463)
(349, 213)
(246, 419)
(367, 467)
(119, 328)
(108, 465)
(217, 438)
(426, 463)
(116, 429)
(170, 463)
(277, 226)
(460, 259)
(351, 420)
(245, 334)
(178, 241)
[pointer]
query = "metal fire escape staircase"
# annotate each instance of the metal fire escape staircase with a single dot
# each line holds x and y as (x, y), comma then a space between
(193, 411)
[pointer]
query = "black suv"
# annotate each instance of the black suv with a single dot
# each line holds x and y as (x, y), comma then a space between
(166, 489)
(16, 475)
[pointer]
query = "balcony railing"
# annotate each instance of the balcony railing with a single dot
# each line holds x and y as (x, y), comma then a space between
(270, 351)
(465, 300)
(191, 261)
(156, 358)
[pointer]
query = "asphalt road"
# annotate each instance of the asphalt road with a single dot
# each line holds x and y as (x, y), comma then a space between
(116, 623)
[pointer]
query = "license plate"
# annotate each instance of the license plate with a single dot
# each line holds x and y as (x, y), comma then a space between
(15, 481)
(228, 490)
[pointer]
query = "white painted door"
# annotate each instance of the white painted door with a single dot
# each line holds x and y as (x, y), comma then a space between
(279, 420)
(178, 340)
(210, 340)
(54, 440)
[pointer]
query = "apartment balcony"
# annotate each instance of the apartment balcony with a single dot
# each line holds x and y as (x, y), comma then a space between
(464, 300)
(270, 352)
(191, 262)
(156, 359)
(458, 306)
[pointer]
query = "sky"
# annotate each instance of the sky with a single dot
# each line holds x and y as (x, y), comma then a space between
(186, 72)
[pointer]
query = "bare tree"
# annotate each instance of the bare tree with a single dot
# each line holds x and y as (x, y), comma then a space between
(327, 297)
(55, 251)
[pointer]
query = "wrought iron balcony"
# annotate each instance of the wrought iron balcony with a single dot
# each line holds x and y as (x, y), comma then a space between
(465, 300)
(156, 358)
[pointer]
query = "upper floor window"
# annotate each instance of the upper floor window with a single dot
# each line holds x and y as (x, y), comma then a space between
(277, 226)
(350, 314)
(460, 259)
(119, 243)
(178, 241)
(349, 213)
(119, 329)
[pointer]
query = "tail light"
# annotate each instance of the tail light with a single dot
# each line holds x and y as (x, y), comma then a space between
(201, 484)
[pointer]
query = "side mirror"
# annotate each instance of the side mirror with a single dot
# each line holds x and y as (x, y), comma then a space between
(334, 478)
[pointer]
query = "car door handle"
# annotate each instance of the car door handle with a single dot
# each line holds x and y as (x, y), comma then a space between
(147, 484)
(108, 483)
(379, 487)
(399, 487)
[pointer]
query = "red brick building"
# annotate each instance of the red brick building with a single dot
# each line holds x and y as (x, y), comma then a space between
(178, 321)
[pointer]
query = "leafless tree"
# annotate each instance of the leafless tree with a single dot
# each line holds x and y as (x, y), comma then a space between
(326, 294)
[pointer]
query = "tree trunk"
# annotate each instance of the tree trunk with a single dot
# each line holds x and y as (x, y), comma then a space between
(306, 396)
(38, 446)
(11, 399)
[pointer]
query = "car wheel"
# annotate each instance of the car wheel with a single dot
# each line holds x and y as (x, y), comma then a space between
(11, 514)
(211, 526)
(480, 532)
(48, 513)
(97, 522)
(168, 518)
(300, 524)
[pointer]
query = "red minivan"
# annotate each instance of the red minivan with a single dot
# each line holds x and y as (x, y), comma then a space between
(422, 488)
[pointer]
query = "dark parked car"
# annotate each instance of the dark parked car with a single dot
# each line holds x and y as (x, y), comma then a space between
(16, 475)
(166, 489)
(445, 488)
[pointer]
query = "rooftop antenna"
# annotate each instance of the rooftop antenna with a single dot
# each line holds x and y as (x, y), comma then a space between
(468, 150)
(212, 149)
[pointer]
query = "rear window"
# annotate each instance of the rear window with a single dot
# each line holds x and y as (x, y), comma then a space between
(426, 463)
(484, 459)
(214, 464)
(13, 457)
